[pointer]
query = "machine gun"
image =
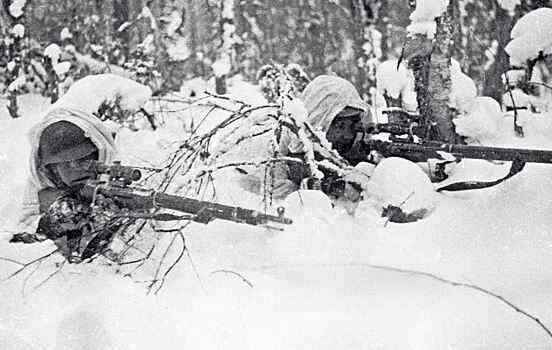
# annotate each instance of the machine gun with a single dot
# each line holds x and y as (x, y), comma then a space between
(409, 141)
(120, 188)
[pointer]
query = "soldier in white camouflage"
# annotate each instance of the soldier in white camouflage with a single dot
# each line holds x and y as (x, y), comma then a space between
(67, 141)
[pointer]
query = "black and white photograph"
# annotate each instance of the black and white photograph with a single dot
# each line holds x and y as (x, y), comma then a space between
(275, 174)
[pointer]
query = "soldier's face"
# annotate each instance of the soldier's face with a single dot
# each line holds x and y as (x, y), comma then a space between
(75, 172)
(342, 132)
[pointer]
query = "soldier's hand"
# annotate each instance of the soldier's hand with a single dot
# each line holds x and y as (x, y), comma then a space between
(47, 196)
(68, 213)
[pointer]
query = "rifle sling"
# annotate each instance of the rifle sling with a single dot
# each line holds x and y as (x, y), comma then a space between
(516, 167)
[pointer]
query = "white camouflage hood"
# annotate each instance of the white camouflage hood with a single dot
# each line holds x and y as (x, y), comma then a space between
(93, 128)
(326, 96)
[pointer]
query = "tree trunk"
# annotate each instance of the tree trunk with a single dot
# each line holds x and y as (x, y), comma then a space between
(432, 81)
(6, 20)
(220, 85)
(12, 104)
(493, 84)
(121, 11)
(439, 83)
(382, 24)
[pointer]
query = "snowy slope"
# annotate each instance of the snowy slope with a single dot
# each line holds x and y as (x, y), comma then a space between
(313, 285)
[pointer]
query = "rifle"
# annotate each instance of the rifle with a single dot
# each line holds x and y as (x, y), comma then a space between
(120, 188)
(413, 147)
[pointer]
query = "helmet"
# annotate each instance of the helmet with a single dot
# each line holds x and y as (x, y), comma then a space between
(63, 141)
(349, 112)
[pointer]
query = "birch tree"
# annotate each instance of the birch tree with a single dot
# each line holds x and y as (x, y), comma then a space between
(428, 50)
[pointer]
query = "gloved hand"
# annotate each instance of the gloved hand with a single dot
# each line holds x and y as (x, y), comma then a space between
(349, 186)
(68, 213)
(47, 196)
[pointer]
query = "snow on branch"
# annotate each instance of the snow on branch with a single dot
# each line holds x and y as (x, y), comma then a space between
(16, 8)
(509, 5)
(531, 37)
(423, 18)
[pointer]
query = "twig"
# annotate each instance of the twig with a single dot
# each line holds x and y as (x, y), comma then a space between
(26, 280)
(541, 84)
(458, 284)
(25, 265)
(12, 261)
(184, 248)
(399, 207)
(431, 276)
(195, 271)
(178, 232)
(236, 274)
(50, 276)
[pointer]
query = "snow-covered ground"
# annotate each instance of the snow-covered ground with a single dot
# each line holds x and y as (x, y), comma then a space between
(329, 281)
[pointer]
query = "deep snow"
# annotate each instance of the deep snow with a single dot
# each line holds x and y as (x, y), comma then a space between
(310, 286)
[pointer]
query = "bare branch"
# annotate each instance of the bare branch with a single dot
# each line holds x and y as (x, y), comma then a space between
(12, 261)
(459, 284)
(236, 274)
(32, 262)
(434, 277)
(51, 275)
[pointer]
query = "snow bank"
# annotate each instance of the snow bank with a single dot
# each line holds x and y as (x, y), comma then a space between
(319, 283)
(389, 186)
(88, 93)
(463, 89)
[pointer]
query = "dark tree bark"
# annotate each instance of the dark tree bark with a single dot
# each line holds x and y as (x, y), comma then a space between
(493, 84)
(439, 83)
(382, 24)
(121, 10)
(432, 79)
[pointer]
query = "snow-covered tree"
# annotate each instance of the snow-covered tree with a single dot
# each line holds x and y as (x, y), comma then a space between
(14, 52)
(531, 42)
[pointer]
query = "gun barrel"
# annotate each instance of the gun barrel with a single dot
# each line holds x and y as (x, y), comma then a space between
(499, 153)
(417, 152)
(142, 199)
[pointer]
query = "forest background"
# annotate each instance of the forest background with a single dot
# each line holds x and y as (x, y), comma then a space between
(164, 42)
